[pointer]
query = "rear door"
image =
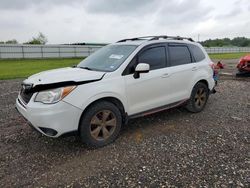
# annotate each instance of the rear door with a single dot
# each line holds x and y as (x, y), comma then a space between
(181, 70)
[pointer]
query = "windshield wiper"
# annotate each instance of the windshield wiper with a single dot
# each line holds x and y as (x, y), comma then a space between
(91, 69)
(87, 68)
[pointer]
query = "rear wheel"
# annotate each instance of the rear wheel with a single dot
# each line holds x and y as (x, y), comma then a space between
(198, 99)
(101, 124)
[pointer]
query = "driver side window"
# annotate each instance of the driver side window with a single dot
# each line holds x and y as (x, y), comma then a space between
(155, 57)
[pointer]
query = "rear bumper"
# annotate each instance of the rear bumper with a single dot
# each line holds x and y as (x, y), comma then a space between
(51, 120)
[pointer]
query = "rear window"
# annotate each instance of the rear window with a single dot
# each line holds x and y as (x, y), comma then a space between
(197, 53)
(179, 55)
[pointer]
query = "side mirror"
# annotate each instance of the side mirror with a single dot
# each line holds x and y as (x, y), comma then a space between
(141, 68)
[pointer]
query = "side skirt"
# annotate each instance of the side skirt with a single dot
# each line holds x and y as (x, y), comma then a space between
(158, 109)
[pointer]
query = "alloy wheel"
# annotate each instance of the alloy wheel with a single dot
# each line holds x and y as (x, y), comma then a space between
(200, 98)
(103, 125)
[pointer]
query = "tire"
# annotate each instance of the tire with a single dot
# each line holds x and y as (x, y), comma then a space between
(100, 124)
(198, 99)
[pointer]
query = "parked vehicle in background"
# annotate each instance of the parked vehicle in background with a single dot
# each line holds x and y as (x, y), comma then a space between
(131, 78)
(244, 64)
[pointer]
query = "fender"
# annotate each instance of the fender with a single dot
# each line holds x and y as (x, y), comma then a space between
(104, 95)
(196, 80)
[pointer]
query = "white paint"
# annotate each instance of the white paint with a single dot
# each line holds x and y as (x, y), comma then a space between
(151, 90)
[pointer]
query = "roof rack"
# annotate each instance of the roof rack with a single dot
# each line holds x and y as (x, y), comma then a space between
(150, 38)
(137, 38)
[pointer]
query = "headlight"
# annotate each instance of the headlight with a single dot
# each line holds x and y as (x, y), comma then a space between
(53, 95)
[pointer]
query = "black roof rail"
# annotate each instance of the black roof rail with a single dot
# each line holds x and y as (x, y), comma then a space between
(172, 37)
(149, 38)
(136, 38)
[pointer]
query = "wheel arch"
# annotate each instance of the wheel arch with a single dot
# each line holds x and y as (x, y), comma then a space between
(202, 80)
(114, 100)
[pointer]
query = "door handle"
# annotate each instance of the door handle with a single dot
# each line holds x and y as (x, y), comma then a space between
(165, 75)
(194, 68)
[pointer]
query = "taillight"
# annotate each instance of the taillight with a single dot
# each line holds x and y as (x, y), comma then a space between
(211, 64)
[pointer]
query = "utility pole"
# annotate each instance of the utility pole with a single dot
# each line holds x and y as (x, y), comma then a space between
(198, 37)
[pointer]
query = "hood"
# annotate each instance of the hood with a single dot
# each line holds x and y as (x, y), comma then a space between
(62, 77)
(246, 58)
(243, 61)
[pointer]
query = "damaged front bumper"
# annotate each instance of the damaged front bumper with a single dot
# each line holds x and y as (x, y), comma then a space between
(51, 120)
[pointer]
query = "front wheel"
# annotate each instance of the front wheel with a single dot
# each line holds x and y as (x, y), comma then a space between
(198, 99)
(101, 124)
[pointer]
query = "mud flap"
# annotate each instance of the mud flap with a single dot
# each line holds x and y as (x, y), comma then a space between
(213, 91)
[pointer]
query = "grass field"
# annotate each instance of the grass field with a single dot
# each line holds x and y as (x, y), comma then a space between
(228, 56)
(21, 68)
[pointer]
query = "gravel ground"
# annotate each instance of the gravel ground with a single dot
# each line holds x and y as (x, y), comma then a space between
(173, 148)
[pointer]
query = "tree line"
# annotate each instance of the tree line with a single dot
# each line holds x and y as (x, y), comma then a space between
(238, 41)
(225, 42)
(39, 39)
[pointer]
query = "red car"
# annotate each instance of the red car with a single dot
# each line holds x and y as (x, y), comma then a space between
(244, 64)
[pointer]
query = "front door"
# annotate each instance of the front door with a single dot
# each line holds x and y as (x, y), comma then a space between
(150, 90)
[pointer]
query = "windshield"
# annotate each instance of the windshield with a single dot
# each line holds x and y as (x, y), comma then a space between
(108, 58)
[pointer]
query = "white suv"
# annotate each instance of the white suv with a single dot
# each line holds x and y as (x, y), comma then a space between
(131, 78)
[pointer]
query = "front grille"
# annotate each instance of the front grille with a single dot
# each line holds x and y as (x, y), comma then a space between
(25, 95)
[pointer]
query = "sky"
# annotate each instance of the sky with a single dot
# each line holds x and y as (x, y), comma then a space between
(106, 21)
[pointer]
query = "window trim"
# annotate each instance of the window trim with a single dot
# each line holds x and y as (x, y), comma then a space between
(147, 47)
(179, 44)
